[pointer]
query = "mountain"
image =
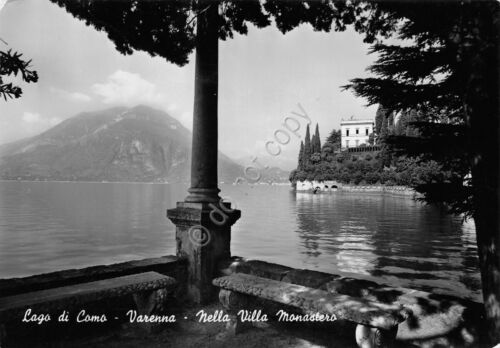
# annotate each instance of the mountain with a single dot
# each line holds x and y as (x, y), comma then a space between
(117, 144)
(260, 166)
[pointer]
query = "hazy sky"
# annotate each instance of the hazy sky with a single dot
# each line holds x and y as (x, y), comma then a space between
(263, 76)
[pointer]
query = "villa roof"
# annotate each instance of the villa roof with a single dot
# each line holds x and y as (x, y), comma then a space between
(356, 121)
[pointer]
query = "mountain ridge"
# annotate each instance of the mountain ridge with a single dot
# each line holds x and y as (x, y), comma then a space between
(138, 144)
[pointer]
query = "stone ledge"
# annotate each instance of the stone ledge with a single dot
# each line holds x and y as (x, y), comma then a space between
(304, 277)
(73, 296)
(314, 301)
(254, 267)
(167, 265)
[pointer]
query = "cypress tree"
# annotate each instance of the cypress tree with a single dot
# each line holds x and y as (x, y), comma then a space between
(307, 147)
(379, 117)
(316, 140)
(385, 156)
(384, 130)
(300, 164)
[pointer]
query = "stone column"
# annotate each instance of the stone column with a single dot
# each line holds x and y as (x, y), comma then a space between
(203, 222)
(205, 128)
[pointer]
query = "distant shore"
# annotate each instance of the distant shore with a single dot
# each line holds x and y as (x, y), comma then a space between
(90, 182)
(331, 186)
(397, 190)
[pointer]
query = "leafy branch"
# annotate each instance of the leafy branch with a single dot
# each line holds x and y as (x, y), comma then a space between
(11, 63)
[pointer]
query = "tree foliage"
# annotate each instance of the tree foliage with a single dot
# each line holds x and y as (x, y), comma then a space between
(11, 63)
(316, 141)
(371, 167)
(334, 137)
(379, 117)
(431, 76)
(162, 28)
(167, 28)
(300, 163)
(307, 147)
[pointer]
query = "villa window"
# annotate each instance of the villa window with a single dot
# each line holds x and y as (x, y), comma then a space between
(357, 143)
(357, 130)
(347, 132)
(366, 131)
(347, 142)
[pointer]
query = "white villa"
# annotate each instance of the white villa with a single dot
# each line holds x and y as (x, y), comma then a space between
(355, 132)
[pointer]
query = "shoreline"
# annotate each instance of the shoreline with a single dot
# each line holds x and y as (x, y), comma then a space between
(394, 190)
(398, 190)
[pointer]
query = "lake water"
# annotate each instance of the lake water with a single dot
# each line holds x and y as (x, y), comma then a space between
(49, 226)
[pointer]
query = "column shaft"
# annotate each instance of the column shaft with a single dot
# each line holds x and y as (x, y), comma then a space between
(205, 127)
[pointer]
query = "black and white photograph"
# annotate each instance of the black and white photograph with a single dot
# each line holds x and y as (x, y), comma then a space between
(249, 173)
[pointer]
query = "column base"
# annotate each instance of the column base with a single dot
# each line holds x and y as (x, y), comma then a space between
(203, 237)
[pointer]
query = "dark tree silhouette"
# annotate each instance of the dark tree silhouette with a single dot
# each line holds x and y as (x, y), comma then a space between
(168, 28)
(307, 148)
(334, 137)
(300, 163)
(449, 73)
(379, 117)
(316, 141)
(11, 63)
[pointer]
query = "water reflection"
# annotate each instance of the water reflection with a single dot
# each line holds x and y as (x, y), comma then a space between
(391, 239)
